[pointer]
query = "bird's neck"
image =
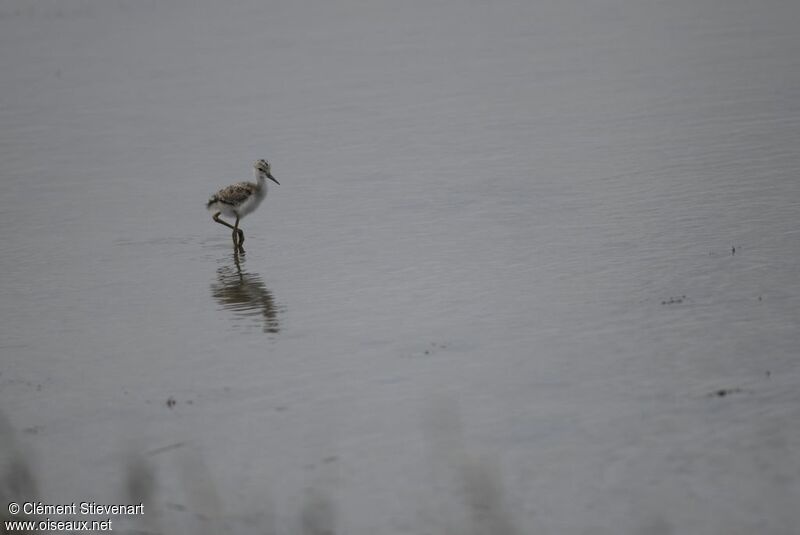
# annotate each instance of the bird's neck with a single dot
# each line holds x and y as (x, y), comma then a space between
(261, 181)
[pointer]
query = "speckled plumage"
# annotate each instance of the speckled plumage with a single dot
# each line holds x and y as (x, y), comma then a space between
(234, 194)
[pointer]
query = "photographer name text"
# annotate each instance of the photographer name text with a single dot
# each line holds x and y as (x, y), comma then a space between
(78, 508)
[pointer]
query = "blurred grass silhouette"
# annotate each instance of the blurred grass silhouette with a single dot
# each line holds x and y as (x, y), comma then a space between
(478, 510)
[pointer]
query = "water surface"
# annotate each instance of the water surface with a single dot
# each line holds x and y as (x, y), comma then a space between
(531, 268)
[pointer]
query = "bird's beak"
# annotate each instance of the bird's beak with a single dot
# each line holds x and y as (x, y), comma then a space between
(273, 179)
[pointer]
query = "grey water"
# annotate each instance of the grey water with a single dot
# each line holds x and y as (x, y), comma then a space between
(532, 266)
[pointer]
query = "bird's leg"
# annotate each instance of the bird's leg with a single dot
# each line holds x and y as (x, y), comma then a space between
(216, 218)
(236, 231)
(240, 233)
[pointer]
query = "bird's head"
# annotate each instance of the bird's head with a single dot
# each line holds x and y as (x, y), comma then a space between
(262, 167)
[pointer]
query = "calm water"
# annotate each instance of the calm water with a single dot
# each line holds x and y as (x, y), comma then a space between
(532, 266)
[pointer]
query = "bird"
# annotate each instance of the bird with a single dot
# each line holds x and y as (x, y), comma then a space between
(238, 200)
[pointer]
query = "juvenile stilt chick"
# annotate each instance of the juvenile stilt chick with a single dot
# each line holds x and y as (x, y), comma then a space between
(238, 200)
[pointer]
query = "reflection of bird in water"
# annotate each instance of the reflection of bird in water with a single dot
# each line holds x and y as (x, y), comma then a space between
(245, 294)
(238, 200)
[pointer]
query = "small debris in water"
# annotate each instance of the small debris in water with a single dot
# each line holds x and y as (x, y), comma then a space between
(733, 250)
(722, 392)
(162, 449)
(429, 350)
(171, 402)
(674, 300)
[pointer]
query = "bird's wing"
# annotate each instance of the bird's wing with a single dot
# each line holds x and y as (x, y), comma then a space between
(233, 194)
